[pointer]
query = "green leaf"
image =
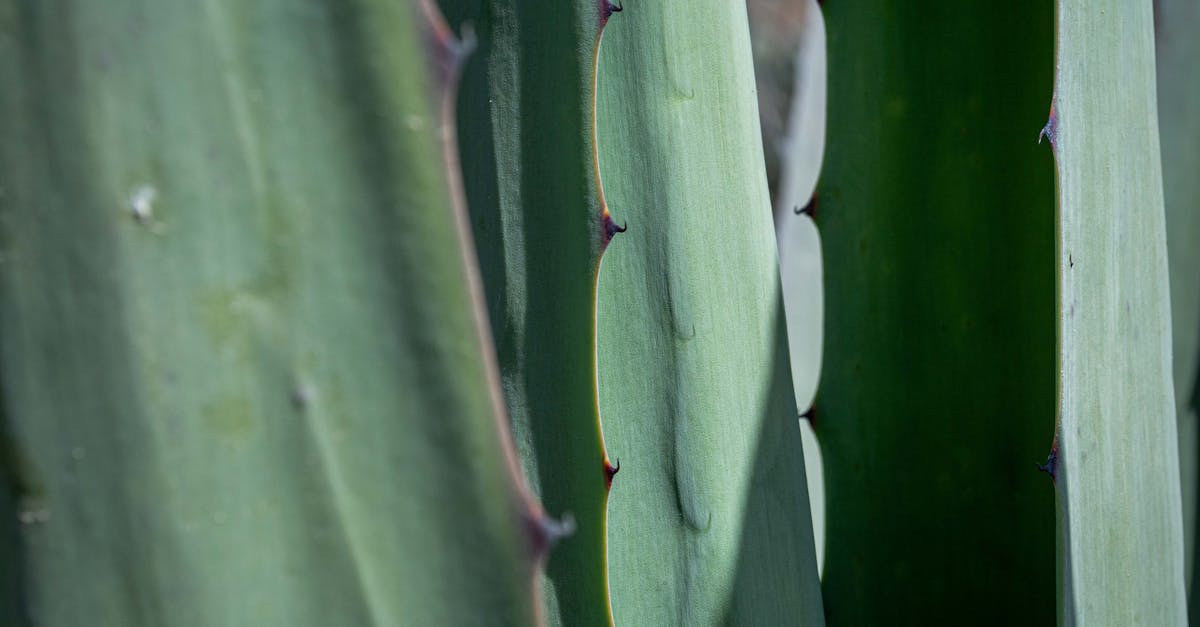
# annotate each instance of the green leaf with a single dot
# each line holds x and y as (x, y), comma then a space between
(937, 389)
(525, 114)
(709, 517)
(242, 377)
(1118, 466)
(801, 149)
(1176, 25)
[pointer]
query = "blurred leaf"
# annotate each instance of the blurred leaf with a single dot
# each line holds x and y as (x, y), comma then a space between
(1176, 26)
(801, 145)
(800, 270)
(240, 366)
(775, 28)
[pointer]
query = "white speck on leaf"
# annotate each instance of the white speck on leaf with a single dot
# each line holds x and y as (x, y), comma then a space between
(141, 205)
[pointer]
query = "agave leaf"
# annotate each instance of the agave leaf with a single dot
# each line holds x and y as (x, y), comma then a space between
(802, 148)
(1176, 25)
(709, 518)
(937, 388)
(525, 112)
(1118, 467)
(1177, 47)
(242, 377)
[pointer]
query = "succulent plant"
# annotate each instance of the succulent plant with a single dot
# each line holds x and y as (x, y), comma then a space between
(348, 313)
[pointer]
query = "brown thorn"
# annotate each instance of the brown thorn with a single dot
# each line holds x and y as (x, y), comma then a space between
(810, 209)
(611, 229)
(607, 8)
(610, 471)
(1050, 130)
(1051, 465)
(810, 415)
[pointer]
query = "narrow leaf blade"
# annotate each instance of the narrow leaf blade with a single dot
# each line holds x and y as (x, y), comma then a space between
(1117, 452)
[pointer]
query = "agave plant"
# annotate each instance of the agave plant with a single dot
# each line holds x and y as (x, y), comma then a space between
(351, 313)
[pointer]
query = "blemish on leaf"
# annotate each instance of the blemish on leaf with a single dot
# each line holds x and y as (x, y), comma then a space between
(223, 315)
(141, 207)
(302, 396)
(141, 203)
(231, 418)
(680, 336)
